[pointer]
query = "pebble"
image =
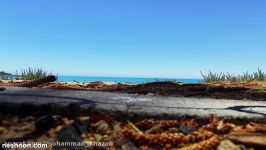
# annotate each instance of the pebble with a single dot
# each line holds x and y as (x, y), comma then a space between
(66, 121)
(102, 126)
(26, 127)
(3, 130)
(106, 138)
(251, 139)
(173, 130)
(45, 123)
(52, 133)
(228, 145)
(84, 118)
(91, 139)
(59, 128)
(83, 135)
(97, 137)
(150, 94)
(29, 118)
(129, 146)
(186, 129)
(2, 88)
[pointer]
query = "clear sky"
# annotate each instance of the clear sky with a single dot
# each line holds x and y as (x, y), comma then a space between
(144, 38)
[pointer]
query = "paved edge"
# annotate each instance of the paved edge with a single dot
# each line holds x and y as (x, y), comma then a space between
(43, 101)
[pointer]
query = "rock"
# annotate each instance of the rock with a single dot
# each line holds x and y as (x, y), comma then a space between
(59, 128)
(186, 129)
(97, 137)
(129, 146)
(91, 139)
(66, 121)
(72, 133)
(3, 130)
(109, 132)
(45, 123)
(2, 88)
(228, 145)
(25, 127)
(69, 134)
(29, 118)
(82, 126)
(250, 139)
(83, 135)
(102, 126)
(84, 118)
(106, 138)
(117, 133)
(52, 133)
(117, 129)
(150, 94)
(173, 130)
(154, 129)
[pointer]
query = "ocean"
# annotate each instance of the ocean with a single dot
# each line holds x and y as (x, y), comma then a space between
(121, 79)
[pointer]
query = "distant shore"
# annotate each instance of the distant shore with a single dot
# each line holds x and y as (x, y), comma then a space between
(122, 79)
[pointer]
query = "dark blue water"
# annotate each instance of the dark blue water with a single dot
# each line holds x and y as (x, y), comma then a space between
(121, 79)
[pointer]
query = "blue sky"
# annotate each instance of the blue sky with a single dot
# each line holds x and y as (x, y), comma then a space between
(143, 38)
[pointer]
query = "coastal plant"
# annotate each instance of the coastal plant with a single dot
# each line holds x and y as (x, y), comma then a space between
(33, 73)
(259, 75)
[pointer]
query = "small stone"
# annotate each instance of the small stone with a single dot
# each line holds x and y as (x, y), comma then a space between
(59, 128)
(109, 132)
(173, 130)
(150, 94)
(117, 129)
(106, 138)
(29, 118)
(186, 129)
(97, 137)
(26, 127)
(2, 88)
(129, 146)
(84, 118)
(228, 145)
(102, 126)
(91, 139)
(83, 135)
(52, 133)
(66, 121)
(249, 139)
(14, 119)
(82, 126)
(3, 130)
(45, 123)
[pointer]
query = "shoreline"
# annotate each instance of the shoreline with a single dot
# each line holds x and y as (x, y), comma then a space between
(219, 90)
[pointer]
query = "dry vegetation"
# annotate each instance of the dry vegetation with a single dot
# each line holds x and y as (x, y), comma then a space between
(178, 134)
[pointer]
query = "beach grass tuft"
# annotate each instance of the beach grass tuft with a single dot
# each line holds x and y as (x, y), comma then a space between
(33, 73)
(211, 77)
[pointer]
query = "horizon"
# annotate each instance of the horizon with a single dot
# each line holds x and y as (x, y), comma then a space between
(154, 77)
(173, 39)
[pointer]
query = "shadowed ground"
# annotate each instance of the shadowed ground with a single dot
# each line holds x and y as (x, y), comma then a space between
(130, 104)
